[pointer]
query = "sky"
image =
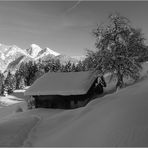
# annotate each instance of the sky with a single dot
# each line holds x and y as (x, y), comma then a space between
(63, 26)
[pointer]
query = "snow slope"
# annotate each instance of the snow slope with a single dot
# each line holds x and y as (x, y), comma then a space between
(14, 124)
(119, 119)
(15, 129)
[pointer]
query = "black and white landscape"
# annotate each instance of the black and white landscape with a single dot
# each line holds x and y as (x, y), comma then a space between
(73, 74)
(11, 56)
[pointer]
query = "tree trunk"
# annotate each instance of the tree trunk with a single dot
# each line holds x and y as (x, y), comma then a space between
(119, 81)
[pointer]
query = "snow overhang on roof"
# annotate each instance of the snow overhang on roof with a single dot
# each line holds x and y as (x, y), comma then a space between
(62, 83)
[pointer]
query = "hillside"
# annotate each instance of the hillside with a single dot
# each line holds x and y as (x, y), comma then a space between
(118, 119)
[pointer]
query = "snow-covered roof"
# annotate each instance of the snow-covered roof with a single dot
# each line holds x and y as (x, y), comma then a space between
(66, 83)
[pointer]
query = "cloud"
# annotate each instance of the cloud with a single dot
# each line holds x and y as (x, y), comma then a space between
(74, 6)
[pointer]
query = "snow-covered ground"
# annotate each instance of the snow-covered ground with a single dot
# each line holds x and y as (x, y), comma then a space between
(15, 128)
(119, 119)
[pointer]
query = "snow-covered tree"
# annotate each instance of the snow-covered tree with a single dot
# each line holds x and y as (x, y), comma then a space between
(22, 83)
(73, 67)
(81, 66)
(119, 47)
(9, 83)
(55, 65)
(67, 67)
(18, 78)
(31, 69)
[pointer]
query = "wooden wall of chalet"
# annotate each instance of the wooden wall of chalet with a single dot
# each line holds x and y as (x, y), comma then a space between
(62, 102)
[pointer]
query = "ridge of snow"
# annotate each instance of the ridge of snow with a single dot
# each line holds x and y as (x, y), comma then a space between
(14, 49)
(47, 52)
(52, 52)
(2, 56)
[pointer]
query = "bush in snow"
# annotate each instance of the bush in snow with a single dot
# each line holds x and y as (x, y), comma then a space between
(19, 109)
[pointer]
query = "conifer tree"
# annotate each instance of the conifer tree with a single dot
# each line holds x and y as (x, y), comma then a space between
(31, 69)
(67, 67)
(73, 67)
(9, 83)
(22, 83)
(1, 83)
(18, 78)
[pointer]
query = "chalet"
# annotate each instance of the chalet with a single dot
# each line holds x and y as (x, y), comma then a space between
(64, 89)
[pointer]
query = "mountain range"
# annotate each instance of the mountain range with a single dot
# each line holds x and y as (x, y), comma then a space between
(11, 56)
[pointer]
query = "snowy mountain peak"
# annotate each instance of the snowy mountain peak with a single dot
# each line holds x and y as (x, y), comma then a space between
(52, 52)
(34, 46)
(11, 55)
(34, 50)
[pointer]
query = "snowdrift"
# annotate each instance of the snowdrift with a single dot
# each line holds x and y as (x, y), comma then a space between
(12, 109)
(14, 130)
(119, 119)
